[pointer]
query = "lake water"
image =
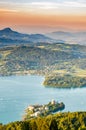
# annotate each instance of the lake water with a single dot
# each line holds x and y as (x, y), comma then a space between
(17, 92)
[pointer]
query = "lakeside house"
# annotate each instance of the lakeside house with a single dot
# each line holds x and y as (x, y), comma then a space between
(31, 107)
(53, 102)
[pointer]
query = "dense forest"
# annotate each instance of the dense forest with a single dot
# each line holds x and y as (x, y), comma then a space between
(63, 65)
(59, 121)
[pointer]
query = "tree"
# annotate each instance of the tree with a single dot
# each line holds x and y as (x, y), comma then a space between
(53, 125)
(33, 125)
(45, 126)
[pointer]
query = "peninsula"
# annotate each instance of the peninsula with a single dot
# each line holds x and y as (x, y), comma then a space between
(43, 110)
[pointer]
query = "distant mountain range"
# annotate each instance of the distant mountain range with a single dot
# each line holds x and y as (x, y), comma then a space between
(11, 37)
(8, 36)
(69, 37)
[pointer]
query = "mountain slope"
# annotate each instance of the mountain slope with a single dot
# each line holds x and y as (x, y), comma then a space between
(8, 36)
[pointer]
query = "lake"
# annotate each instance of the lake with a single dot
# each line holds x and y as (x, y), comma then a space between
(17, 92)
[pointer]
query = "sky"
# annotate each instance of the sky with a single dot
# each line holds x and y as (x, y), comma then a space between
(40, 16)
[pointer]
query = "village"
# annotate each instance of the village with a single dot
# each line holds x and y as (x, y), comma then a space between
(43, 110)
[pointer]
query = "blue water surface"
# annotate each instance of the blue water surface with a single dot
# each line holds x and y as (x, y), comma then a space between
(17, 92)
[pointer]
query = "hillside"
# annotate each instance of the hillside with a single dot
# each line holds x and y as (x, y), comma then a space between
(50, 60)
(59, 121)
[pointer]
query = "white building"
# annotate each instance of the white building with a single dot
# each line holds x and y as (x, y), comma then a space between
(53, 102)
(46, 108)
(31, 108)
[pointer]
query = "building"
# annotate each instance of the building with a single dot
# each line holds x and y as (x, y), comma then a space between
(53, 102)
(31, 108)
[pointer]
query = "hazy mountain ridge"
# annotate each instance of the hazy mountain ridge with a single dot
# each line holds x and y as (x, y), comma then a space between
(8, 36)
(69, 37)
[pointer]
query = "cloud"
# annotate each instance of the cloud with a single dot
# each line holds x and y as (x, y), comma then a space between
(44, 5)
(8, 10)
(57, 4)
(74, 4)
(65, 6)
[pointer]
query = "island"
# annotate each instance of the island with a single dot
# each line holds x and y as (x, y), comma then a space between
(43, 110)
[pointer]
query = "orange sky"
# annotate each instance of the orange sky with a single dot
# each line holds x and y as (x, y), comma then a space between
(42, 20)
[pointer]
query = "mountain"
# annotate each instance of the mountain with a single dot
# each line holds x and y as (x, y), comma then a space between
(9, 33)
(69, 37)
(8, 36)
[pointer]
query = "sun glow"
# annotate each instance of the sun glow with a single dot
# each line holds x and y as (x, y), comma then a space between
(53, 14)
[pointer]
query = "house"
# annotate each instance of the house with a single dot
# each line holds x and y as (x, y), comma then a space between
(31, 108)
(53, 102)
(37, 113)
(46, 108)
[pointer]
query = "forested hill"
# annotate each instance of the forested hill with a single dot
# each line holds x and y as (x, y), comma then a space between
(46, 59)
(59, 121)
